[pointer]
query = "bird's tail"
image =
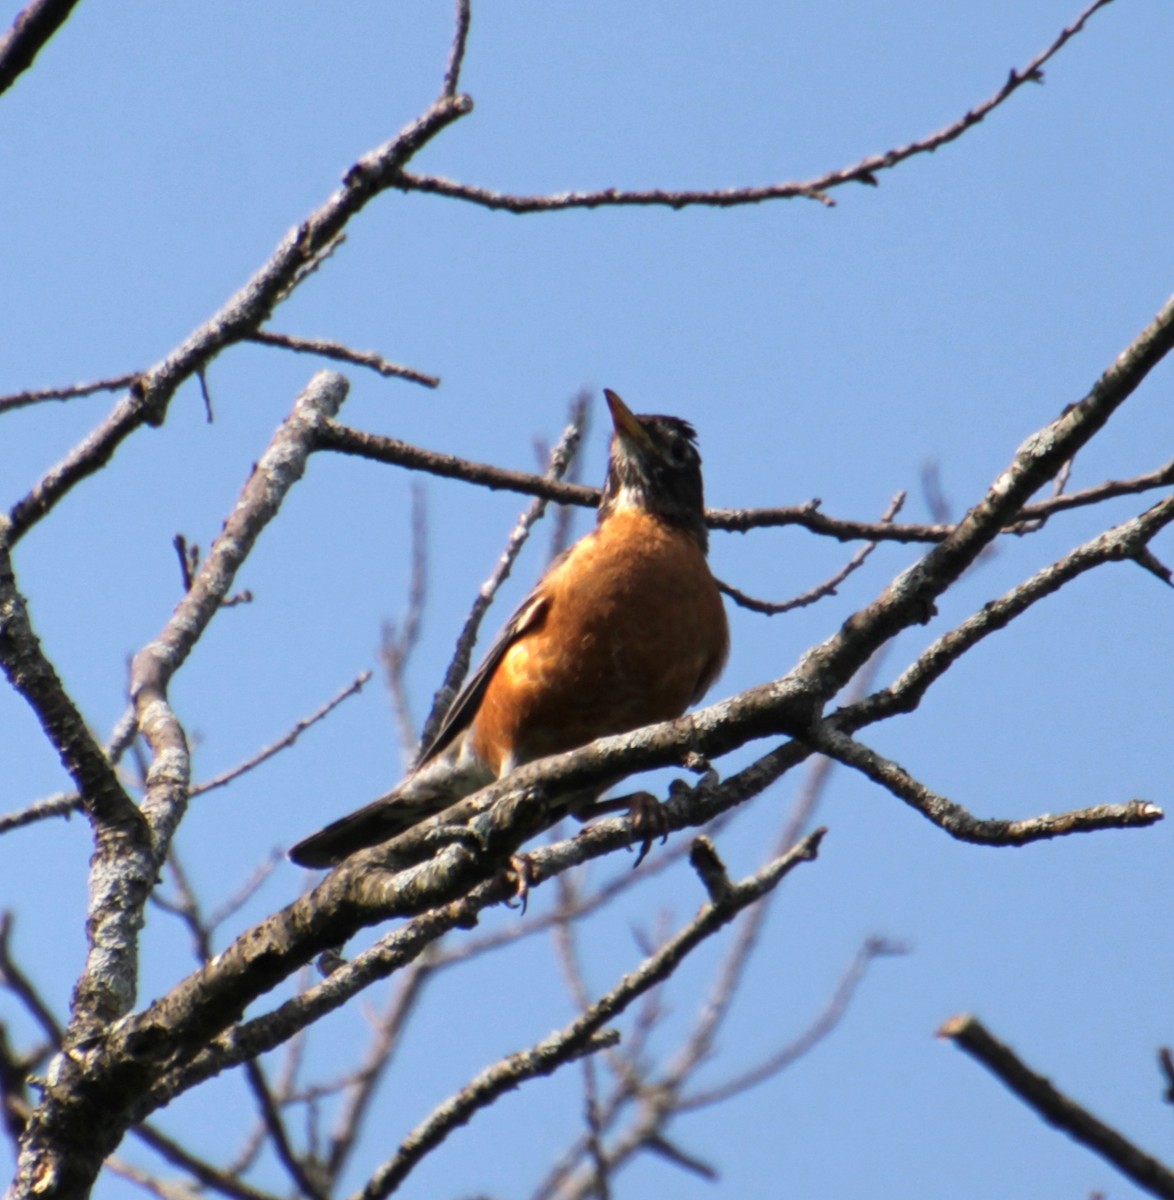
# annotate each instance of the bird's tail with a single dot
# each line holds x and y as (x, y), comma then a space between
(430, 789)
(376, 822)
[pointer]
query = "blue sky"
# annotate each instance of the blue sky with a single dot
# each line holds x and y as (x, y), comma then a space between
(157, 153)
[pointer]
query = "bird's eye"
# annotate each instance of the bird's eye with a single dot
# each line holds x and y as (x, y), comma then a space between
(678, 452)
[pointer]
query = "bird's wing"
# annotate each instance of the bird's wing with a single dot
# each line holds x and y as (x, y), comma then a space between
(528, 616)
(404, 806)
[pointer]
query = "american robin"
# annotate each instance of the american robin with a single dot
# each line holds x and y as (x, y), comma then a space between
(627, 628)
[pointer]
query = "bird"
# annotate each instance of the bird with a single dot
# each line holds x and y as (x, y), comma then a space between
(626, 628)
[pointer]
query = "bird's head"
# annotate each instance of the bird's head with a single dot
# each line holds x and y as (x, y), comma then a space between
(654, 465)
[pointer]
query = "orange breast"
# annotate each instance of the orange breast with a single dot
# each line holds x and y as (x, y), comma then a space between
(634, 632)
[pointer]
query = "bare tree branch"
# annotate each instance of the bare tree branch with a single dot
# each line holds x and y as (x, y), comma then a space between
(579, 415)
(345, 440)
(399, 642)
(959, 823)
(865, 171)
(581, 1035)
(244, 313)
(121, 867)
(1148, 1173)
(456, 57)
(278, 1135)
(38, 395)
(34, 25)
(223, 1183)
(378, 1060)
(18, 983)
(1125, 542)
(340, 353)
(820, 591)
(1036, 514)
(283, 743)
(827, 1020)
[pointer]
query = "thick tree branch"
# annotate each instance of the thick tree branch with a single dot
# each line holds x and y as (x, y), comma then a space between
(808, 516)
(61, 1144)
(34, 25)
(122, 865)
(278, 469)
(1057, 1109)
(581, 1035)
(1127, 541)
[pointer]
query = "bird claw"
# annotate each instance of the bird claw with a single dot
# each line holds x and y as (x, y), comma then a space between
(682, 787)
(648, 820)
(696, 762)
(521, 867)
(329, 961)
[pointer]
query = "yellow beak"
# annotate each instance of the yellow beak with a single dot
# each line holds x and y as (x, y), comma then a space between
(624, 420)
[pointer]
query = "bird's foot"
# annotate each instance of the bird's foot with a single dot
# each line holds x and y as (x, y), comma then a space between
(649, 821)
(521, 869)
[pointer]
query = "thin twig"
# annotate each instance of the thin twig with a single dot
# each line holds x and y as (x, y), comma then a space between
(62, 804)
(822, 590)
(221, 1182)
(827, 1020)
(378, 1059)
(586, 1033)
(278, 1134)
(19, 984)
(865, 171)
(228, 908)
(342, 353)
(579, 415)
(456, 55)
(963, 825)
(226, 777)
(38, 395)
(398, 642)
(560, 459)
(151, 1184)
(301, 249)
(205, 394)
